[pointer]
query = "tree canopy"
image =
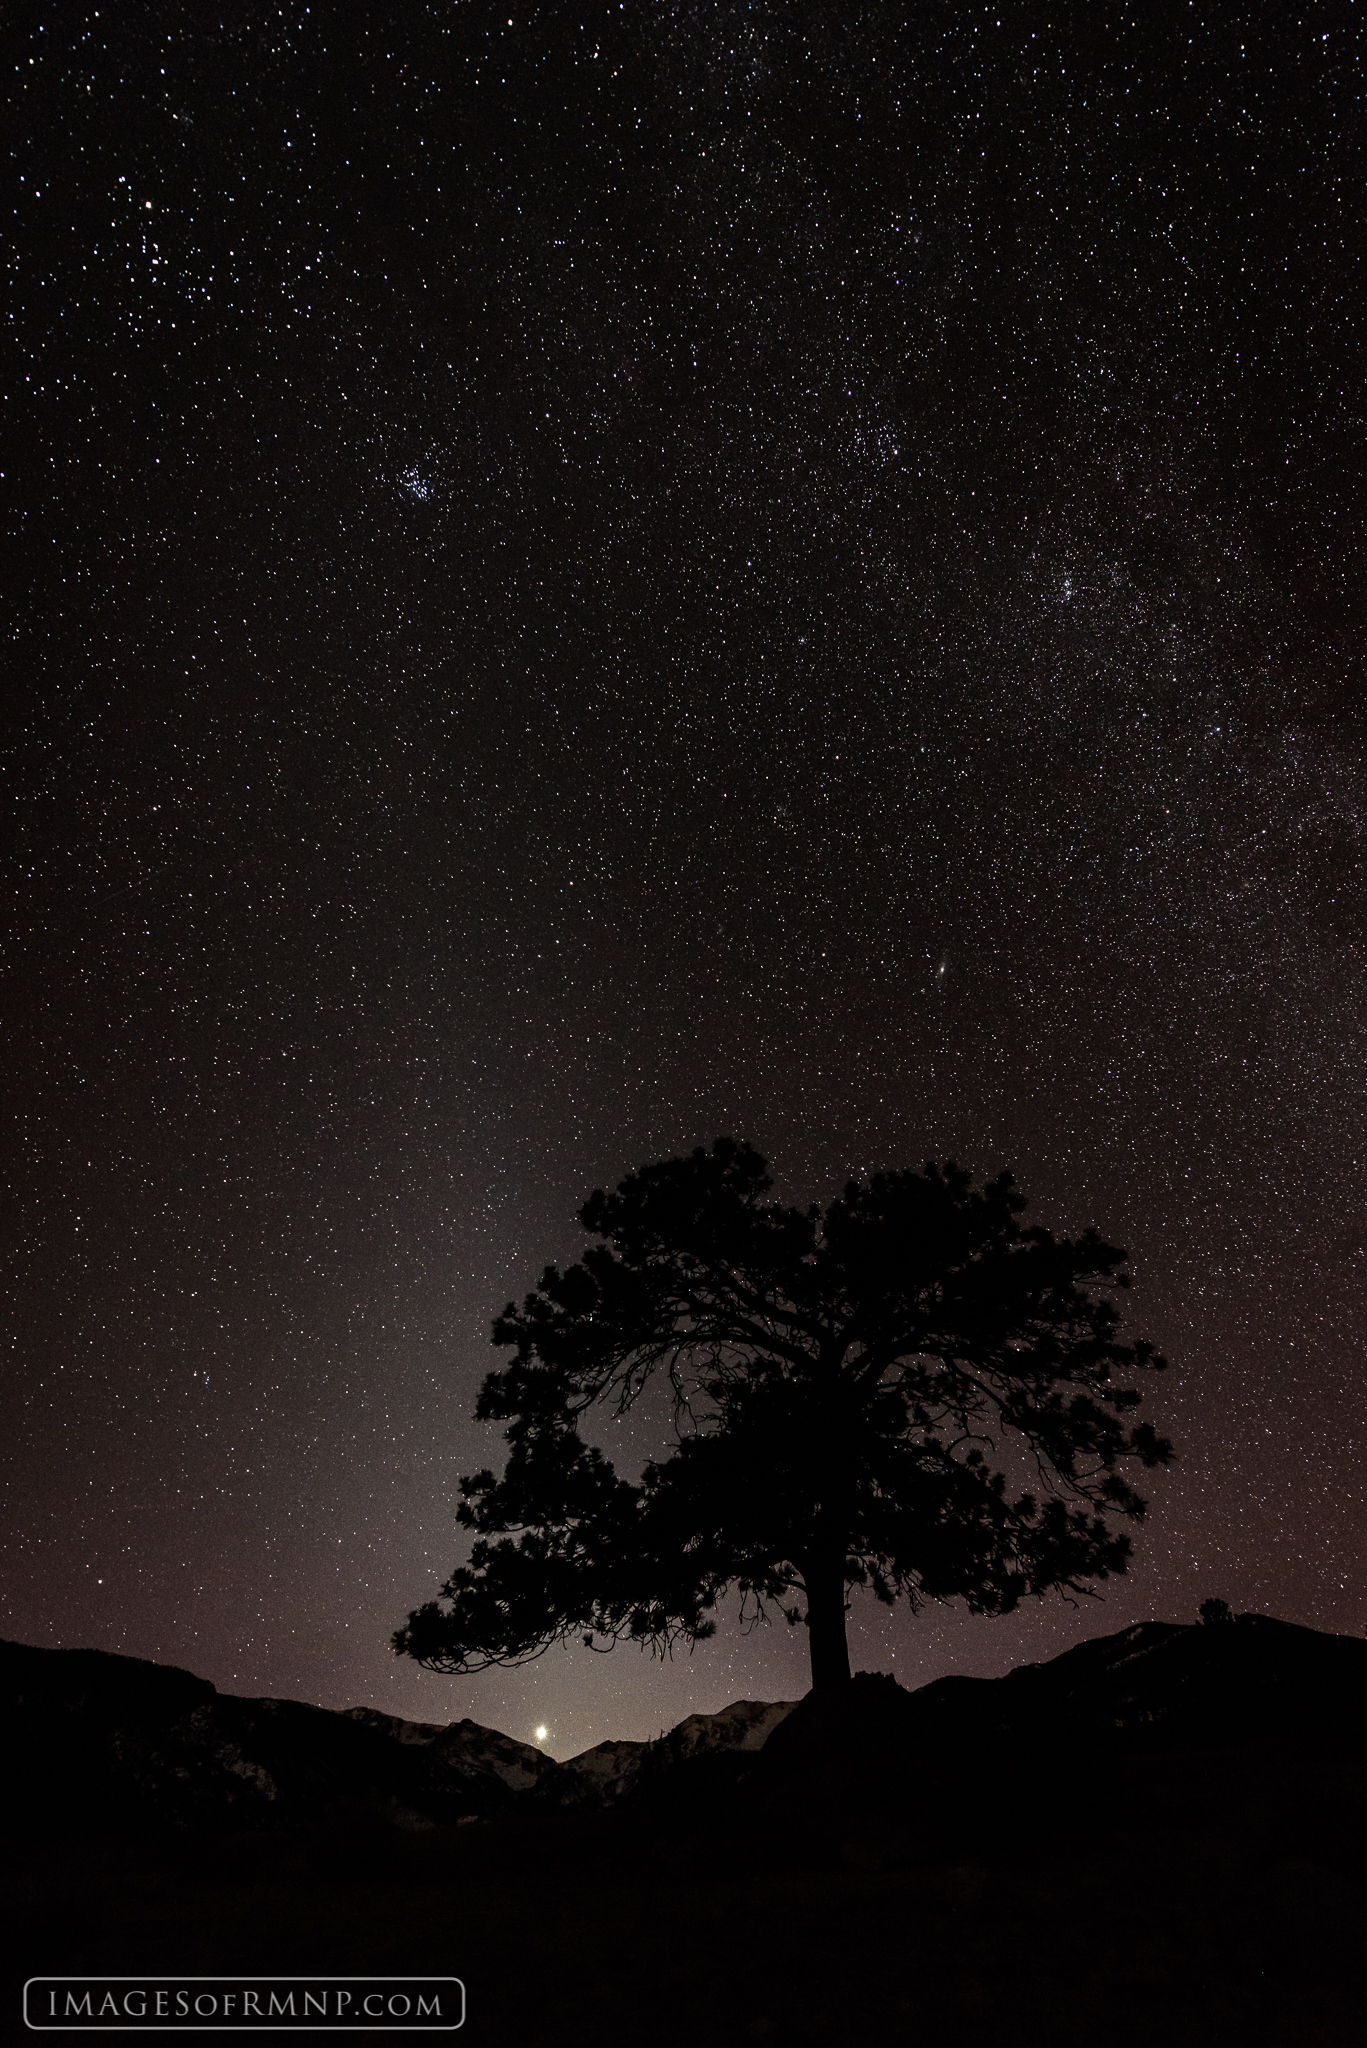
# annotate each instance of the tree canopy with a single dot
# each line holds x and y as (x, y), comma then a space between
(910, 1392)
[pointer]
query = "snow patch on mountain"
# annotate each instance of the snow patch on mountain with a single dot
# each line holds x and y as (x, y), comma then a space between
(606, 1773)
(465, 1747)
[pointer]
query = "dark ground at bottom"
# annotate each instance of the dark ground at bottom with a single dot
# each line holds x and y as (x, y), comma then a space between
(846, 1921)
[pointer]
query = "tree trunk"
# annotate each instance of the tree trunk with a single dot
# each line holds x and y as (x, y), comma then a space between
(826, 1626)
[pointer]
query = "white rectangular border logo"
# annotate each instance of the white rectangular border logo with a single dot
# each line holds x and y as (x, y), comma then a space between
(386, 2023)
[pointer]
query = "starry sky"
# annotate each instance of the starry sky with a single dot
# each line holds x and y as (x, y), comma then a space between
(586, 579)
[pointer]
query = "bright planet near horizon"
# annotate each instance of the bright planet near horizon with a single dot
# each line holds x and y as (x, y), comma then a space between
(541, 1734)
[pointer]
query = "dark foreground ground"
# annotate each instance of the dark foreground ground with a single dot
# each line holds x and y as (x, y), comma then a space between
(1174, 1902)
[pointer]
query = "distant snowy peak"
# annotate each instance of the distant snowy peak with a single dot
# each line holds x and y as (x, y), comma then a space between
(745, 1724)
(390, 1724)
(604, 1774)
(596, 1777)
(465, 1747)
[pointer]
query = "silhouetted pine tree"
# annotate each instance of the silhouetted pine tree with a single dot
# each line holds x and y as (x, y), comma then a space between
(845, 1388)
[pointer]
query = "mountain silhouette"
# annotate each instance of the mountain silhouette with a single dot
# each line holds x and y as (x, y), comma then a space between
(112, 1741)
(1155, 1836)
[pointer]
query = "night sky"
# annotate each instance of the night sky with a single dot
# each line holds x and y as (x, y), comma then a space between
(584, 580)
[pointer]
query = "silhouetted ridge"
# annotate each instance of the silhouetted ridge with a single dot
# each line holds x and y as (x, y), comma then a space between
(105, 1741)
(116, 1742)
(97, 1681)
(109, 1741)
(1156, 1686)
